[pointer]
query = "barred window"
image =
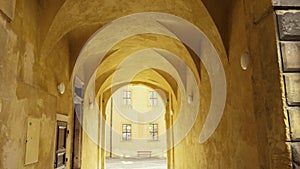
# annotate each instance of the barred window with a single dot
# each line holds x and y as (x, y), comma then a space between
(153, 98)
(153, 131)
(126, 132)
(127, 97)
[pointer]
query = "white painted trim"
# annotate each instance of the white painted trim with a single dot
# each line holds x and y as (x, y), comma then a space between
(62, 117)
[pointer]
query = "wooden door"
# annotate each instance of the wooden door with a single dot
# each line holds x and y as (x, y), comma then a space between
(61, 142)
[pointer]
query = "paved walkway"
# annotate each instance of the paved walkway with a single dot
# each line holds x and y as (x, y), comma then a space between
(134, 163)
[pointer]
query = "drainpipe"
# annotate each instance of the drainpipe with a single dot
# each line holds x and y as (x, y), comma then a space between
(111, 116)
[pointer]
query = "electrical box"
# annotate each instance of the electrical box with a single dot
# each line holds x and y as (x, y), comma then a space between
(32, 141)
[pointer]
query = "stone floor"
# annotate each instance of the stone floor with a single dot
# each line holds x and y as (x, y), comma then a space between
(135, 163)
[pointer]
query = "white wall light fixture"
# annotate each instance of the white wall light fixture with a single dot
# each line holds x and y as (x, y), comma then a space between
(245, 61)
(61, 88)
(91, 104)
(190, 98)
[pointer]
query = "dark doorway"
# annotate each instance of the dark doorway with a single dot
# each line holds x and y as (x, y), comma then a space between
(78, 116)
(77, 140)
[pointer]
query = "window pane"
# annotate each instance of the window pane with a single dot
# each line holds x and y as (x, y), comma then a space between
(126, 132)
(129, 136)
(154, 102)
(153, 98)
(153, 128)
(124, 136)
(126, 94)
(153, 94)
(127, 97)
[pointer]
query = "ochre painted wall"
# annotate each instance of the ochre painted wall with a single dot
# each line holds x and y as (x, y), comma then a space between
(139, 129)
(28, 88)
(268, 105)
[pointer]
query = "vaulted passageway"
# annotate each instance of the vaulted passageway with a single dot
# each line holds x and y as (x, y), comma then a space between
(179, 84)
(170, 69)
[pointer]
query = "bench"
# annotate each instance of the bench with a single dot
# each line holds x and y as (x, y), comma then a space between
(144, 153)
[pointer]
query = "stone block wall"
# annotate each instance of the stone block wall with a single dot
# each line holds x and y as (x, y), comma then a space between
(288, 33)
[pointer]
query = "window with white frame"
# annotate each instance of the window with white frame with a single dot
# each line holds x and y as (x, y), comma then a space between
(126, 132)
(127, 97)
(153, 128)
(153, 98)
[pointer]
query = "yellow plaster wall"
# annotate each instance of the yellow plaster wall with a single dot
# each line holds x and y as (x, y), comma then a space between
(90, 138)
(28, 88)
(140, 98)
(267, 92)
(89, 153)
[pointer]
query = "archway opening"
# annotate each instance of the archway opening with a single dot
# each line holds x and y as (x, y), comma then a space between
(104, 52)
(136, 116)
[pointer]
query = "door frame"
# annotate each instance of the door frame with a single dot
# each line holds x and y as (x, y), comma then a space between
(65, 119)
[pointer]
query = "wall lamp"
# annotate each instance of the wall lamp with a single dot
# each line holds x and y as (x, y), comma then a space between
(61, 88)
